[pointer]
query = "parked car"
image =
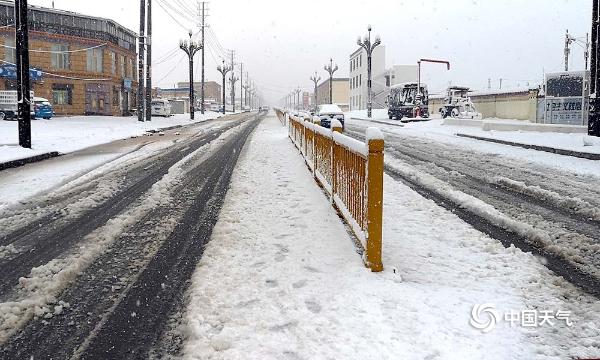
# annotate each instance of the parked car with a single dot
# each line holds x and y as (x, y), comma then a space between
(43, 108)
(161, 107)
(328, 112)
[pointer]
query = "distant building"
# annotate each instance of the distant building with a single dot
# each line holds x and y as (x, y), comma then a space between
(382, 78)
(340, 90)
(382, 82)
(87, 65)
(212, 90)
(307, 100)
(178, 97)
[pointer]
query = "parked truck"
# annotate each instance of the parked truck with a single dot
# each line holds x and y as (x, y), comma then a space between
(458, 104)
(405, 101)
(9, 105)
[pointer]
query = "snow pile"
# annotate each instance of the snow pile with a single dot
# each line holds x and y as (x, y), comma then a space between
(281, 278)
(67, 134)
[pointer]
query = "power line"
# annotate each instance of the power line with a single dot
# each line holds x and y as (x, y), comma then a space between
(57, 52)
(162, 6)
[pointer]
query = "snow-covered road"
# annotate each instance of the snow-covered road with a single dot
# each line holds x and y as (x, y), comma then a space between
(553, 211)
(281, 278)
(94, 268)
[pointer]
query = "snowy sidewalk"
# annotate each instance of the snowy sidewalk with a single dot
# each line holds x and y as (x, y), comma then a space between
(68, 134)
(281, 278)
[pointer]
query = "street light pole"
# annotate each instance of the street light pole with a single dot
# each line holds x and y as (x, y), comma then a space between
(142, 48)
(190, 49)
(23, 85)
(298, 92)
(233, 80)
(315, 80)
(223, 70)
(369, 47)
(331, 70)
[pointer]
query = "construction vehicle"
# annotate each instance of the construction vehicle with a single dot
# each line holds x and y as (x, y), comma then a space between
(405, 101)
(458, 104)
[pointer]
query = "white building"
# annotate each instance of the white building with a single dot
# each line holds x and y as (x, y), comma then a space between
(382, 78)
(382, 82)
(358, 75)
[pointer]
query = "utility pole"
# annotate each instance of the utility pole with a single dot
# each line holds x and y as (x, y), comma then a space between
(140, 95)
(369, 47)
(331, 70)
(23, 85)
(241, 85)
(149, 65)
(568, 40)
(500, 83)
(202, 26)
(223, 70)
(190, 49)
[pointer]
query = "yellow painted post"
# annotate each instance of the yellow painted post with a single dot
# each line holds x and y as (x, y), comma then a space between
(335, 127)
(375, 204)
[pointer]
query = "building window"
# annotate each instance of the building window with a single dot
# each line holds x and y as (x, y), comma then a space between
(123, 66)
(94, 60)
(360, 60)
(115, 96)
(113, 63)
(62, 94)
(130, 71)
(60, 57)
(360, 80)
(10, 53)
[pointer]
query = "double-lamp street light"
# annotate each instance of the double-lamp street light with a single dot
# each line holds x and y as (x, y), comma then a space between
(369, 47)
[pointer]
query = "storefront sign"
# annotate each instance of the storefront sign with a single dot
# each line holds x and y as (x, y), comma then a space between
(565, 110)
(9, 71)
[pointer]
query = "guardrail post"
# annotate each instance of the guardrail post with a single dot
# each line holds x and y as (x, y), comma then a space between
(336, 127)
(374, 202)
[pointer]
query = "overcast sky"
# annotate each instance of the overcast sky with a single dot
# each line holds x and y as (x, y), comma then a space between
(282, 43)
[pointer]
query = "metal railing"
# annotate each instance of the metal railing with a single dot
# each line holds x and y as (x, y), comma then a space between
(351, 172)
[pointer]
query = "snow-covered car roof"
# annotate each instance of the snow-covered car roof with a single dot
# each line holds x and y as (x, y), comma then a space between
(40, 99)
(407, 84)
(330, 109)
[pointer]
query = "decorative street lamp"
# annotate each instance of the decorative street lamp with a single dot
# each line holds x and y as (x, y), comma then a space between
(369, 47)
(298, 91)
(316, 80)
(190, 48)
(223, 70)
(331, 69)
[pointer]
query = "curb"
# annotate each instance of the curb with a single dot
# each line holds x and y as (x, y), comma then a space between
(577, 154)
(376, 121)
(20, 162)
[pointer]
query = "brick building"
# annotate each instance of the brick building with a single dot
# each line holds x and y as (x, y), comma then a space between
(212, 90)
(88, 64)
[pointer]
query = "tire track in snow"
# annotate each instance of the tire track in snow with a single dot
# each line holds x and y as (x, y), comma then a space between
(527, 217)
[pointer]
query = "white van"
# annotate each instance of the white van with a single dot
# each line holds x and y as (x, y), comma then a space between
(161, 107)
